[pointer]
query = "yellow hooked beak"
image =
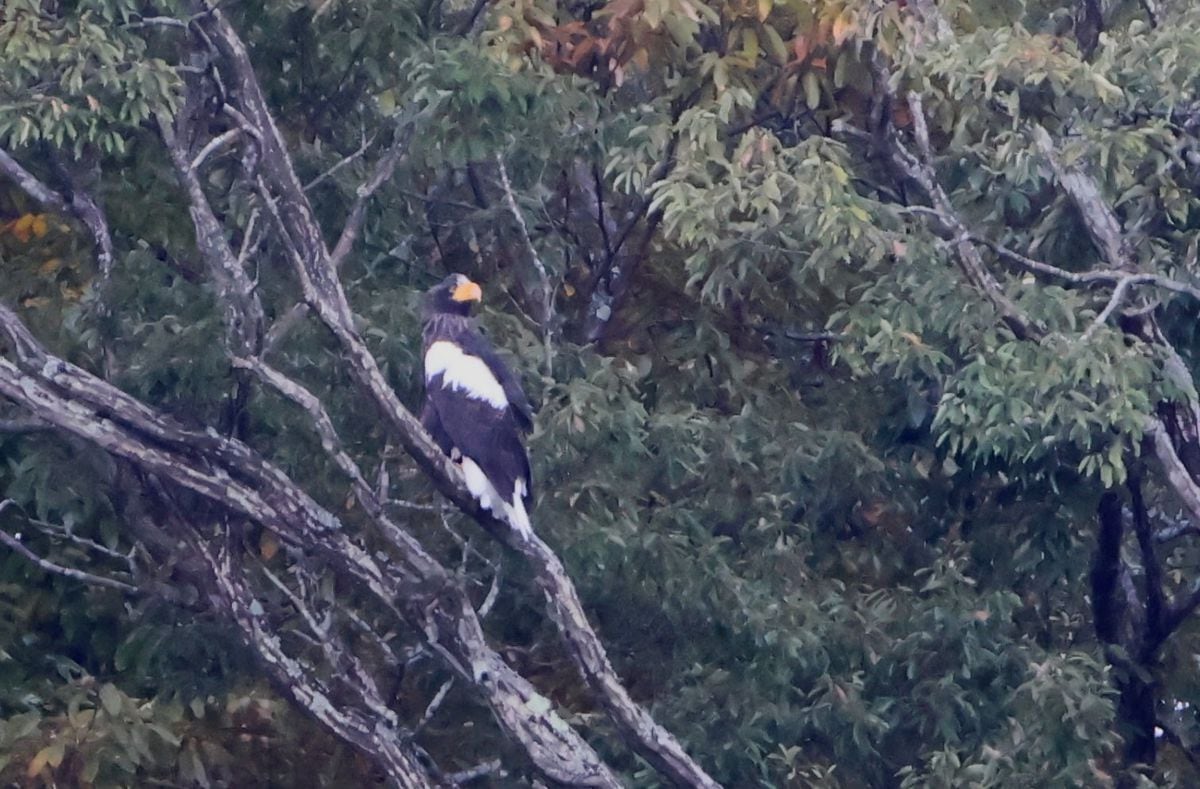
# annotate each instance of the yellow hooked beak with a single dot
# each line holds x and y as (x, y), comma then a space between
(467, 291)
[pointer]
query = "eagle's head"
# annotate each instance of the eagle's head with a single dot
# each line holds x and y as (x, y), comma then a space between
(452, 296)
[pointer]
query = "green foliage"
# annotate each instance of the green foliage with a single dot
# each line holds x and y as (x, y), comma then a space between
(858, 560)
(85, 79)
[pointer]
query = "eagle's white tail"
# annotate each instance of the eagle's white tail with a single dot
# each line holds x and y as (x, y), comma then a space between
(490, 499)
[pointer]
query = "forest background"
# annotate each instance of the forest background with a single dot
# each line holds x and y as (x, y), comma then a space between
(862, 337)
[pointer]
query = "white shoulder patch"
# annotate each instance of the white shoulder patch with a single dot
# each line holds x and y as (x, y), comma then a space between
(464, 372)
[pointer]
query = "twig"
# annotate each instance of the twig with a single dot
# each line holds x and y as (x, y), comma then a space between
(366, 143)
(384, 169)
(475, 773)
(213, 144)
(1175, 531)
(433, 706)
(157, 21)
(971, 263)
(493, 595)
(318, 630)
(402, 504)
(1114, 301)
(543, 278)
(67, 572)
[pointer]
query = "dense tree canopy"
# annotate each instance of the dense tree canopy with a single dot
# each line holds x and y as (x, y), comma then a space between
(862, 340)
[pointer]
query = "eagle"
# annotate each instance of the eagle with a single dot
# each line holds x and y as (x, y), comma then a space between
(474, 406)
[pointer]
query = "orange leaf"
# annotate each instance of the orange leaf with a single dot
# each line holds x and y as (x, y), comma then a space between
(22, 228)
(268, 546)
(843, 26)
(39, 225)
(50, 755)
(800, 47)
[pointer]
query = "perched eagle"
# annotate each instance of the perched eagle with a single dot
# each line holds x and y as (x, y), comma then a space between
(474, 407)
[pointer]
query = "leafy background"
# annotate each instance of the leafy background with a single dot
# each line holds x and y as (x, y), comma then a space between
(833, 520)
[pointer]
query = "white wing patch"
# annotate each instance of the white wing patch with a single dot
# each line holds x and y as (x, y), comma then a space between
(464, 372)
(490, 498)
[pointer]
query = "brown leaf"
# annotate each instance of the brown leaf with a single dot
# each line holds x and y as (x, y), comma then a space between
(800, 47)
(843, 26)
(268, 546)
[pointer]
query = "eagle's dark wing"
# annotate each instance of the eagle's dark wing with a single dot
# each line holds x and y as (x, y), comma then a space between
(486, 436)
(433, 425)
(476, 344)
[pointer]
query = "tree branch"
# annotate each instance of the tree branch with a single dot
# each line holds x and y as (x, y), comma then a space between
(547, 317)
(81, 205)
(296, 224)
(1101, 223)
(18, 547)
(30, 185)
(225, 471)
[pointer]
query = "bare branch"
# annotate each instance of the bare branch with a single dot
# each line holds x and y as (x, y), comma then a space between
(543, 278)
(15, 544)
(1177, 475)
(244, 313)
(1175, 531)
(1101, 223)
(970, 261)
(1088, 277)
(81, 205)
(475, 773)
(213, 145)
(384, 169)
(434, 704)
(391, 745)
(30, 185)
(365, 145)
(227, 472)
(62, 533)
(296, 224)
(1114, 301)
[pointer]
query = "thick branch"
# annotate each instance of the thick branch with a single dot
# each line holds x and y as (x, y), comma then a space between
(379, 739)
(1152, 574)
(81, 205)
(1177, 475)
(1101, 223)
(227, 472)
(295, 222)
(31, 185)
